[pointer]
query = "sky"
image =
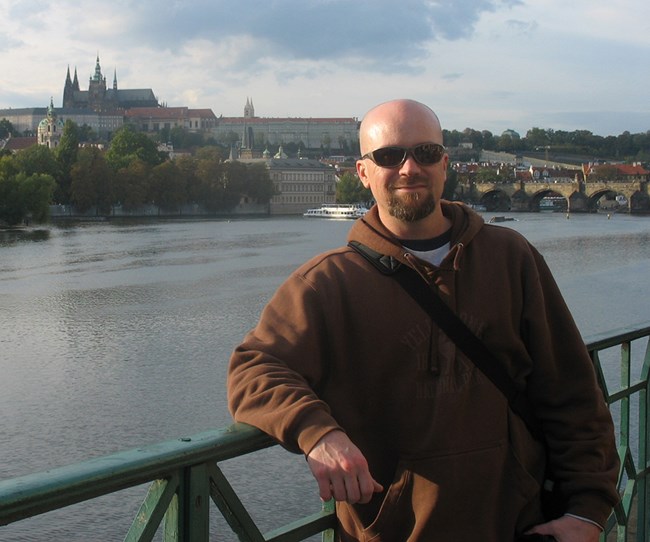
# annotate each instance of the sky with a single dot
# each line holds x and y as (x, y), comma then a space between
(481, 64)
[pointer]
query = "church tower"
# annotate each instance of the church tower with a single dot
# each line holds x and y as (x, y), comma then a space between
(50, 129)
(68, 98)
(96, 89)
(70, 88)
(249, 109)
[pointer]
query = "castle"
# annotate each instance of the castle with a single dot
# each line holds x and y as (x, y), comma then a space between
(101, 99)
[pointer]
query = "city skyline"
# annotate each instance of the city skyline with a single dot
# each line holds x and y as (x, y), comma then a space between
(481, 64)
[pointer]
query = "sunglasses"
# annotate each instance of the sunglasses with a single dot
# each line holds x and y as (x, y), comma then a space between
(425, 154)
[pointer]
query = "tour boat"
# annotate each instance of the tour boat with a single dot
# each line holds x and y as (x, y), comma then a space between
(502, 219)
(337, 210)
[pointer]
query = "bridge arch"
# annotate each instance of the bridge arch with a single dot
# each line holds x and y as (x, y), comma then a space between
(609, 204)
(548, 200)
(496, 200)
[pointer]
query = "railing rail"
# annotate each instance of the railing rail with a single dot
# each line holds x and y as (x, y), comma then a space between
(185, 474)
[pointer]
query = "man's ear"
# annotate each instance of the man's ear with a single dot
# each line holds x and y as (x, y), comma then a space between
(362, 172)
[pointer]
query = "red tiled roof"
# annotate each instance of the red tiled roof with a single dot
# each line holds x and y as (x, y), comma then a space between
(168, 112)
(20, 143)
(628, 169)
(264, 120)
(623, 169)
(157, 112)
(202, 113)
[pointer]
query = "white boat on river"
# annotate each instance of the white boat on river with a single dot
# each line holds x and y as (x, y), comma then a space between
(337, 210)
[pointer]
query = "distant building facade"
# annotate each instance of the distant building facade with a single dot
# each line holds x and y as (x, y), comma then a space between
(334, 134)
(155, 119)
(299, 183)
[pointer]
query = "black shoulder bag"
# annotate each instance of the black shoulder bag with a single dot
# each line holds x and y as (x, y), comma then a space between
(472, 347)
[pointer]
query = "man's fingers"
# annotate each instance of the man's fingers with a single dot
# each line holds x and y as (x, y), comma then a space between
(341, 470)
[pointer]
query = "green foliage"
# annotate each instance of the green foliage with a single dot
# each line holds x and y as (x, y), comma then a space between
(258, 184)
(166, 186)
(6, 128)
(66, 155)
(349, 189)
(131, 185)
(23, 196)
(128, 145)
(488, 175)
(38, 159)
(92, 181)
(181, 138)
(449, 193)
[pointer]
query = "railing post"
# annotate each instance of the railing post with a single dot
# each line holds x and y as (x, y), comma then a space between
(643, 495)
(194, 505)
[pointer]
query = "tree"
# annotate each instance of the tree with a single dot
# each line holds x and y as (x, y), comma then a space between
(233, 177)
(210, 188)
(66, 155)
(12, 207)
(451, 184)
(131, 185)
(38, 159)
(128, 145)
(187, 166)
(91, 181)
(349, 189)
(86, 133)
(181, 138)
(38, 190)
(6, 129)
(537, 137)
(8, 166)
(166, 187)
(258, 185)
(25, 195)
(488, 175)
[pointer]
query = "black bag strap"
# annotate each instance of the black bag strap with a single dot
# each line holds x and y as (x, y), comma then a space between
(457, 331)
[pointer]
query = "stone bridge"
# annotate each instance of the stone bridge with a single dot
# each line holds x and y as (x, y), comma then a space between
(575, 196)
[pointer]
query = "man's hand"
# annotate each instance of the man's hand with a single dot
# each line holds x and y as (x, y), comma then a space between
(341, 470)
(568, 529)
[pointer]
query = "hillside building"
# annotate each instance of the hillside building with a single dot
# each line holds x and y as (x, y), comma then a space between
(255, 133)
(299, 183)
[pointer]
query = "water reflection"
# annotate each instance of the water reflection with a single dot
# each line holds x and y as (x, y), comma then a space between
(12, 236)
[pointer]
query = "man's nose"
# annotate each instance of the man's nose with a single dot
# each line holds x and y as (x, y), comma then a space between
(410, 164)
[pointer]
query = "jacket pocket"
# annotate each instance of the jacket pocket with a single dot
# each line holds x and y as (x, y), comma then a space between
(473, 494)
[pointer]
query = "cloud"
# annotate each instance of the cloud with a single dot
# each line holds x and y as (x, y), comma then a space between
(376, 35)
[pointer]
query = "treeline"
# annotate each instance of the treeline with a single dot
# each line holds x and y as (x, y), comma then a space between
(131, 173)
(624, 147)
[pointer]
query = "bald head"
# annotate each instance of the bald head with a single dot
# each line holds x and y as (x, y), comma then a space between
(391, 122)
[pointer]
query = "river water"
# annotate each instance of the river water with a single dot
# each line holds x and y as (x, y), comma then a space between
(114, 335)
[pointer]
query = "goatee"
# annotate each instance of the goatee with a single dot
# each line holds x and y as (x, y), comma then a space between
(411, 207)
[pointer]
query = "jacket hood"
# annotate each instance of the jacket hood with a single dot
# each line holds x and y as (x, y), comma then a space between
(370, 231)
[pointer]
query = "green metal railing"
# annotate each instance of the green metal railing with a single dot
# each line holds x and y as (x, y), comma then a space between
(627, 394)
(184, 474)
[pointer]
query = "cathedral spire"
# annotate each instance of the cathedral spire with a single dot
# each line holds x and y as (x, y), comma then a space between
(98, 71)
(115, 79)
(249, 110)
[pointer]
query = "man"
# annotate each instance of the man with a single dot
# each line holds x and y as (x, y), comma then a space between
(397, 425)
